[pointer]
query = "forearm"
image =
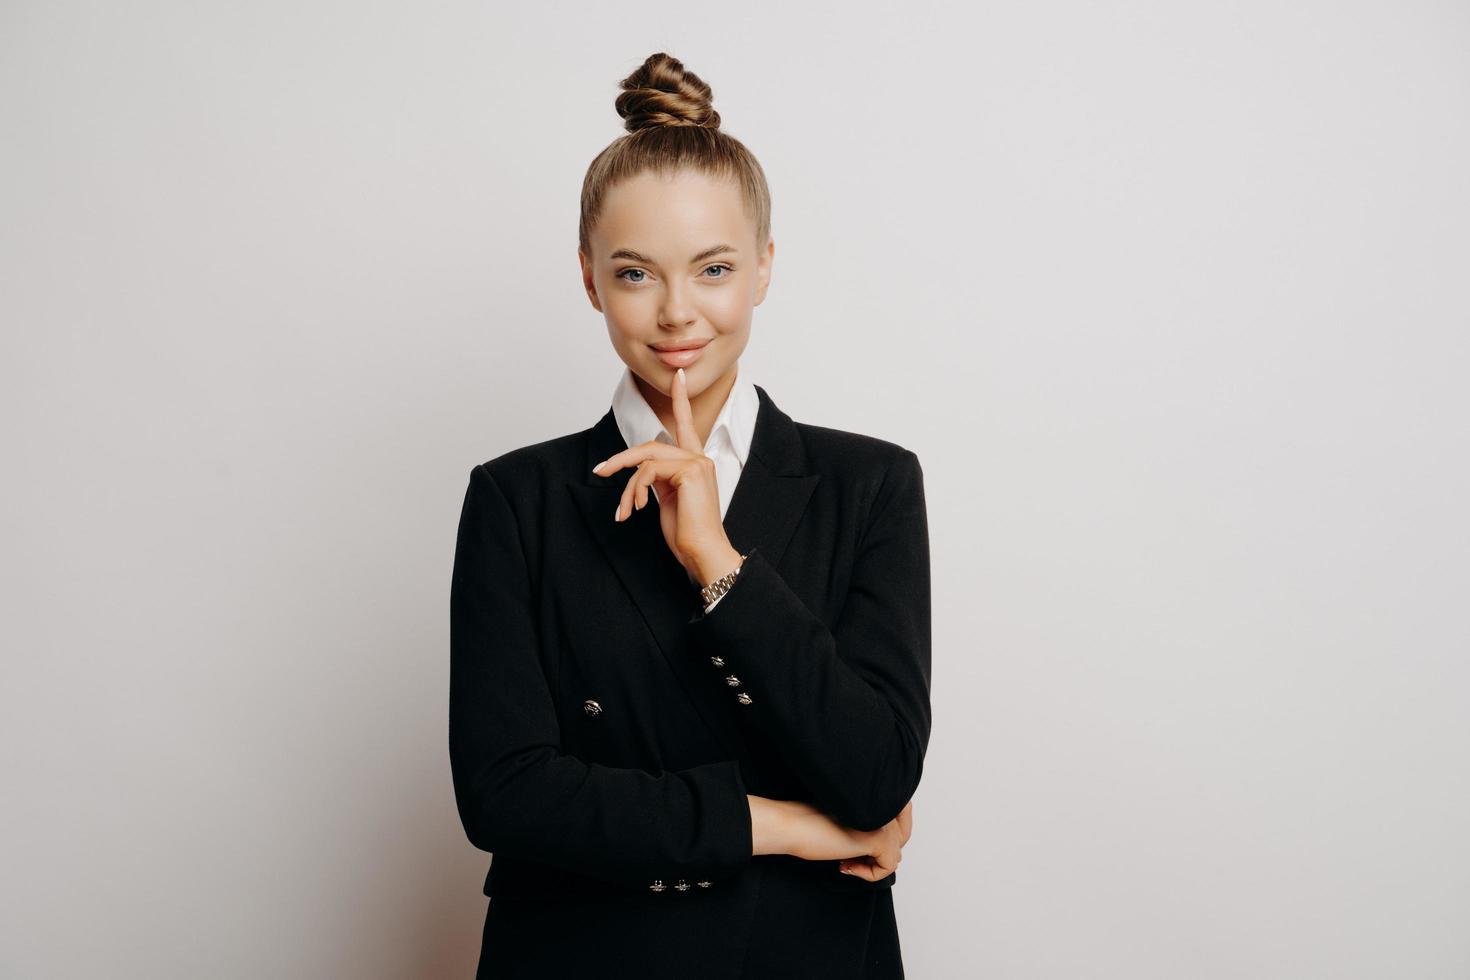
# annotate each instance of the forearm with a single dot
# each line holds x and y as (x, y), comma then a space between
(850, 711)
(517, 790)
(849, 703)
(624, 825)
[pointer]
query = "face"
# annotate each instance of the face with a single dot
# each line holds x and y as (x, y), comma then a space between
(675, 262)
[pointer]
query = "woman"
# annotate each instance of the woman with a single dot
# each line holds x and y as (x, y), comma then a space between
(690, 644)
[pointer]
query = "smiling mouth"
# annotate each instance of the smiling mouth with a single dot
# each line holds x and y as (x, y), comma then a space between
(682, 357)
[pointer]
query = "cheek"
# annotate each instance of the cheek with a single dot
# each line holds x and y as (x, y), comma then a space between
(627, 313)
(729, 310)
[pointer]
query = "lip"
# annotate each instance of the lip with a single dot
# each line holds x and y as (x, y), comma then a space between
(674, 345)
(681, 356)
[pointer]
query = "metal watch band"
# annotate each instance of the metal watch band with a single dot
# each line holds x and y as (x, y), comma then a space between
(722, 584)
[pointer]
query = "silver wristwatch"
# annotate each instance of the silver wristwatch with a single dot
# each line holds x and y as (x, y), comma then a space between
(722, 584)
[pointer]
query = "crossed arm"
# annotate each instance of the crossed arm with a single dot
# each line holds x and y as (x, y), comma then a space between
(851, 705)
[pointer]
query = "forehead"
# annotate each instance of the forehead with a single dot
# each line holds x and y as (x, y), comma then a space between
(666, 216)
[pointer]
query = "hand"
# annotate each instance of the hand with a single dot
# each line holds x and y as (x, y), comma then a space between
(873, 867)
(688, 492)
(873, 855)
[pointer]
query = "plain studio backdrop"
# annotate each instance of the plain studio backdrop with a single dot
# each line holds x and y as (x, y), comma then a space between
(1169, 299)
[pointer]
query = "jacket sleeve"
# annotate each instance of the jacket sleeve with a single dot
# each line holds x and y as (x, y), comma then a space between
(849, 707)
(516, 792)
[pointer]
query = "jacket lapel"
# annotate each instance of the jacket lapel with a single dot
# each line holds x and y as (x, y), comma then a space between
(768, 502)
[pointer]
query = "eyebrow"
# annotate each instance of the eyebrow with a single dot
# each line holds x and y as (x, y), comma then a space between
(709, 253)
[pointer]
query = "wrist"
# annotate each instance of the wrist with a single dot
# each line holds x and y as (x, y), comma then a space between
(710, 565)
(775, 825)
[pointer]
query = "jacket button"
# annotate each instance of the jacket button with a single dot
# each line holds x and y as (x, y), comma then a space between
(717, 661)
(681, 885)
(704, 884)
(657, 886)
(592, 707)
(743, 698)
(732, 680)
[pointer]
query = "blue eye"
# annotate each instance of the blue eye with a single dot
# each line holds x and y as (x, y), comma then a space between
(625, 273)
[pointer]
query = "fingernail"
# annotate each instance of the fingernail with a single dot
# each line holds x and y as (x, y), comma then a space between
(681, 372)
(598, 466)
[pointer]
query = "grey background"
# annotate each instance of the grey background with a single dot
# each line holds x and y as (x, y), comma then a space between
(1170, 299)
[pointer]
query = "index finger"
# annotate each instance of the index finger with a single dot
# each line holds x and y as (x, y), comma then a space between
(684, 433)
(633, 456)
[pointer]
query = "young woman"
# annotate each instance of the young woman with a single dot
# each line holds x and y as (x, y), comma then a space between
(689, 693)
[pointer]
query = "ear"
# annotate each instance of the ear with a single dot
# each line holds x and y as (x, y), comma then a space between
(763, 270)
(588, 282)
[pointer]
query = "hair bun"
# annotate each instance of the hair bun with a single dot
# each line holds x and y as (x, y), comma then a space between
(661, 93)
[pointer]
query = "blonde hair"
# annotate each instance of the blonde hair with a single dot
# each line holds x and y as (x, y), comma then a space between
(671, 127)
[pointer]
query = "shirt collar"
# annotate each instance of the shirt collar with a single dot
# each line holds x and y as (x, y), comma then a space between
(638, 423)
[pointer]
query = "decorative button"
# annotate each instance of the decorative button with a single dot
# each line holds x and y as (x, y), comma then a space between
(743, 698)
(681, 885)
(657, 886)
(717, 661)
(592, 707)
(732, 680)
(704, 884)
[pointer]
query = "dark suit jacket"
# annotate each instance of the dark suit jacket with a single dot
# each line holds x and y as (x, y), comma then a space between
(604, 731)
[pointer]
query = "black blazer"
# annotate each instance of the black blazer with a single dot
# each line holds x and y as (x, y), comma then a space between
(604, 731)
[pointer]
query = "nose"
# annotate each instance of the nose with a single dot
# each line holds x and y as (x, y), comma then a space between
(677, 310)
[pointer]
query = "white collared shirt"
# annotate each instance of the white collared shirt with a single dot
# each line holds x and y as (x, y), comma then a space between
(729, 439)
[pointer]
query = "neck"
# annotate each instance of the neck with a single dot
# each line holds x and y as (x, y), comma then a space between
(704, 405)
